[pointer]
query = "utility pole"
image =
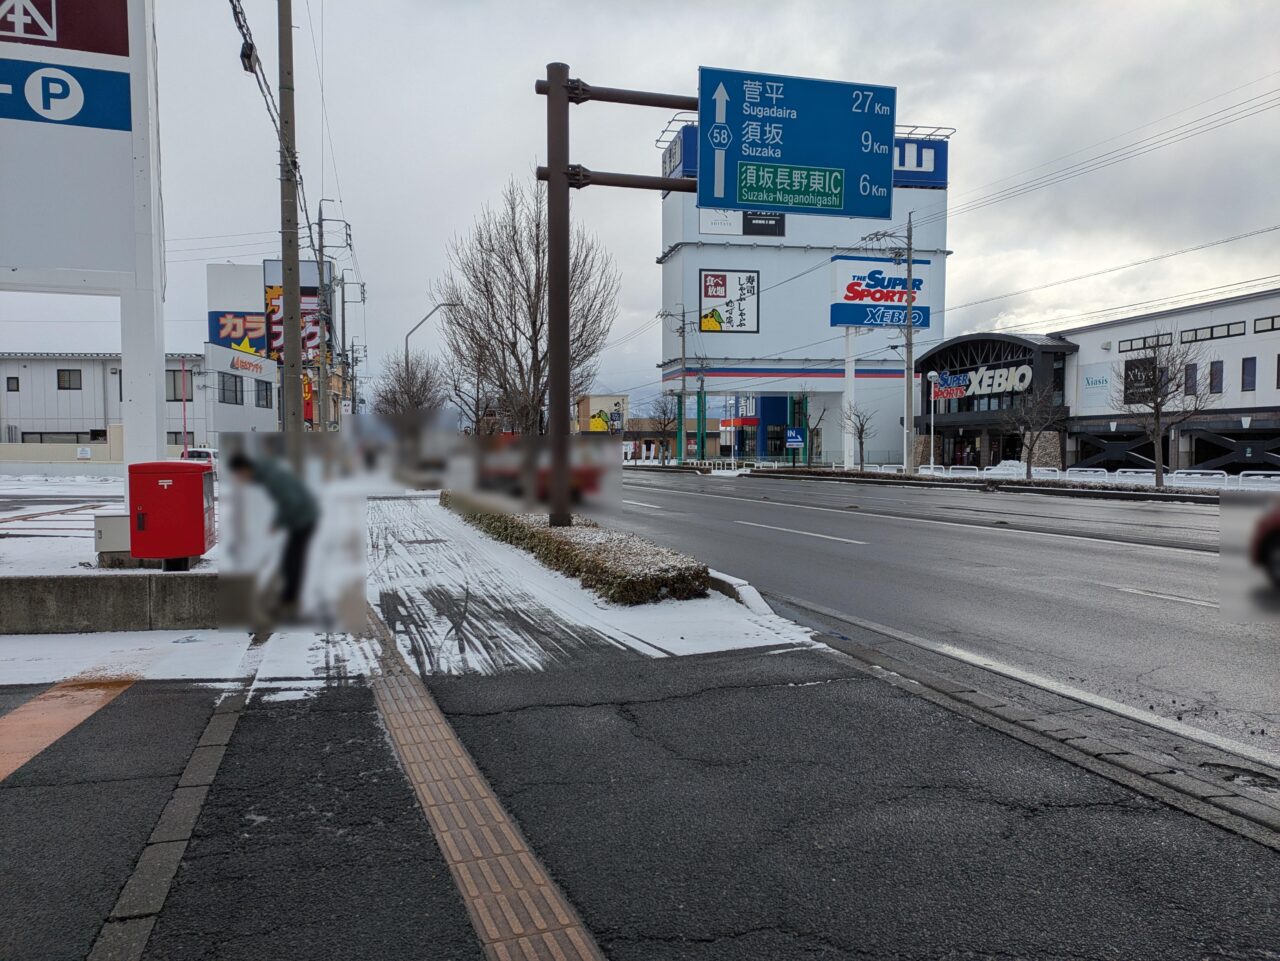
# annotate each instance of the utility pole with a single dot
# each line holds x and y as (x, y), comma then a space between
(322, 315)
(701, 407)
(684, 363)
(291, 308)
(908, 371)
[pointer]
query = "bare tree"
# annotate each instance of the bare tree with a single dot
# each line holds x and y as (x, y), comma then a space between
(498, 274)
(810, 425)
(855, 421)
(1033, 413)
(407, 389)
(664, 411)
(473, 393)
(1161, 385)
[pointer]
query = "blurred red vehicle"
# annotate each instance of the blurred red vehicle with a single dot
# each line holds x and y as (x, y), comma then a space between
(1264, 549)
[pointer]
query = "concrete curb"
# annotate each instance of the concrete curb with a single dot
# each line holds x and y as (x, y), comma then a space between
(1211, 802)
(88, 603)
(889, 480)
(1232, 810)
(672, 468)
(740, 591)
(998, 486)
(1114, 495)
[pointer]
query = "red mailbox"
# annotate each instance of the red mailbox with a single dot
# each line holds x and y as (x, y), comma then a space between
(171, 509)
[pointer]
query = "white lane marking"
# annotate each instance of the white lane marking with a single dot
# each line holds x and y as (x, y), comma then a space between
(1210, 555)
(652, 507)
(788, 530)
(1164, 597)
(1048, 684)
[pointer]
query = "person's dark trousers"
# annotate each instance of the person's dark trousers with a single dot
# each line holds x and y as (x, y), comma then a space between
(293, 566)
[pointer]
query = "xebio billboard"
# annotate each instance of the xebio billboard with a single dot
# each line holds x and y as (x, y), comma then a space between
(872, 292)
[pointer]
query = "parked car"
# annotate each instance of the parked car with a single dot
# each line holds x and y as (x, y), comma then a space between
(1264, 549)
(206, 455)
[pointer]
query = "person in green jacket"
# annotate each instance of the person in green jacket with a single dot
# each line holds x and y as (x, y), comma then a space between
(297, 513)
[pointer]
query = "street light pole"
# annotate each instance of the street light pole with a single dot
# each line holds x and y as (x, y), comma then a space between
(933, 409)
(415, 327)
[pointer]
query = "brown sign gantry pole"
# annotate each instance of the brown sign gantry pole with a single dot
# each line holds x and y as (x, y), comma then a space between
(560, 176)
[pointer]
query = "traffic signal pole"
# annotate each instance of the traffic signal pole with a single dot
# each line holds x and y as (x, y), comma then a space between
(560, 176)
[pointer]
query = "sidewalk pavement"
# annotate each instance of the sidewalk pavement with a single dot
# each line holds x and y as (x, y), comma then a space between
(577, 790)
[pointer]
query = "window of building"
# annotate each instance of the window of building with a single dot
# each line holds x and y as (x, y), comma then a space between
(1215, 377)
(11, 384)
(68, 379)
(1215, 332)
(230, 388)
(1249, 373)
(1141, 343)
(57, 437)
(174, 438)
(177, 385)
(1190, 380)
(262, 393)
(1264, 324)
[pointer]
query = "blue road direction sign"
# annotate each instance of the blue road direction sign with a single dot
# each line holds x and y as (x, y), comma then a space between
(63, 94)
(795, 438)
(792, 144)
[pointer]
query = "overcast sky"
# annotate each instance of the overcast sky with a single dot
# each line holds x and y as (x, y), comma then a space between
(432, 108)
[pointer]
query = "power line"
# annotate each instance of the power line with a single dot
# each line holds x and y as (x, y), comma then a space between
(253, 64)
(1099, 162)
(1112, 270)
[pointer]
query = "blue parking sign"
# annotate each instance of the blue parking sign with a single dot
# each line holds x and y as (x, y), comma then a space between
(795, 438)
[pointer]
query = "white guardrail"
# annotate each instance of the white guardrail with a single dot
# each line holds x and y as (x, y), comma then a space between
(1256, 480)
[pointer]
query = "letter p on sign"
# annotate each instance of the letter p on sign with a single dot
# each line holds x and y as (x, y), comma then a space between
(54, 94)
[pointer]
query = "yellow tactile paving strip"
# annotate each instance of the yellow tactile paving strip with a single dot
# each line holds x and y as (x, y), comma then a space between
(31, 727)
(518, 912)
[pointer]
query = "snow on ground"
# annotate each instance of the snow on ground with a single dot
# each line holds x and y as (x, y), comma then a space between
(35, 485)
(180, 655)
(461, 602)
(290, 660)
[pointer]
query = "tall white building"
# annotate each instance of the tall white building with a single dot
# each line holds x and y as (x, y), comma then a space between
(754, 292)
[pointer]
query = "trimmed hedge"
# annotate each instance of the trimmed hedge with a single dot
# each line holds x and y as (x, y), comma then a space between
(619, 566)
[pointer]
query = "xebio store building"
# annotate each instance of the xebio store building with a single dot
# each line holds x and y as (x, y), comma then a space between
(981, 377)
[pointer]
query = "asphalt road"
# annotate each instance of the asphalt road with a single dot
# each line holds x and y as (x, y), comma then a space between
(753, 806)
(1118, 599)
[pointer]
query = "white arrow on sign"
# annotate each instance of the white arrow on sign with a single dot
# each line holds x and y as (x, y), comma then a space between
(721, 97)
